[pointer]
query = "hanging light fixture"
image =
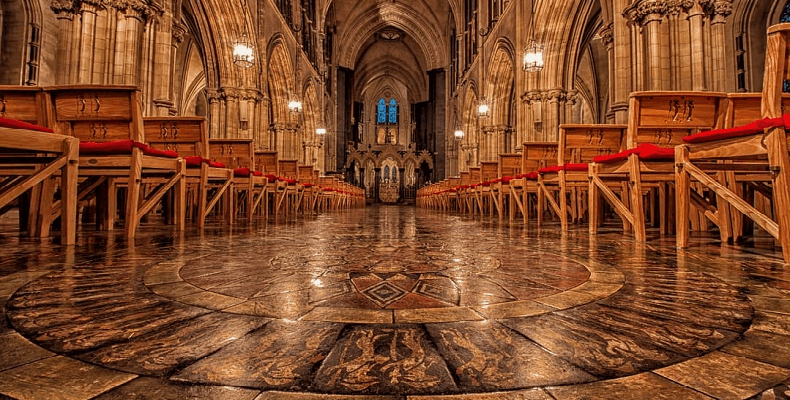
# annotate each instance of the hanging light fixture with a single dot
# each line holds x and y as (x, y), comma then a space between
(459, 133)
(533, 53)
(294, 102)
(483, 108)
(243, 49)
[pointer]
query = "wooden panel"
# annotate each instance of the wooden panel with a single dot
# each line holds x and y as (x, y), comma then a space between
(509, 164)
(235, 153)
(21, 103)
(489, 170)
(175, 130)
(266, 162)
(664, 137)
(83, 104)
(678, 109)
(465, 178)
(100, 131)
(474, 175)
(289, 169)
(538, 154)
(305, 173)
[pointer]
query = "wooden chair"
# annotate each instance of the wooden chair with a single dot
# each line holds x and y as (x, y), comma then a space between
(307, 189)
(289, 178)
(750, 152)
(249, 184)
(266, 162)
(657, 121)
(489, 172)
(509, 168)
(32, 158)
(463, 189)
(113, 151)
(564, 184)
(473, 196)
(188, 136)
(535, 155)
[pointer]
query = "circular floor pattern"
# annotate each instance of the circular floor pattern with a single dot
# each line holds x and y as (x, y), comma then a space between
(423, 305)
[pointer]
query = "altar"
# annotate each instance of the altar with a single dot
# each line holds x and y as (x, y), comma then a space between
(388, 192)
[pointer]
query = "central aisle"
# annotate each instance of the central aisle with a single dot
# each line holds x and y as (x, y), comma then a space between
(396, 301)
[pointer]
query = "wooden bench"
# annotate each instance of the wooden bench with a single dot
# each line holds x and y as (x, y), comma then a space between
(35, 205)
(508, 168)
(188, 136)
(113, 151)
(289, 196)
(32, 158)
(489, 172)
(308, 189)
(249, 184)
(565, 183)
(657, 121)
(746, 153)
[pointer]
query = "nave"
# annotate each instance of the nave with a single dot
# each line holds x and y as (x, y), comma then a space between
(390, 302)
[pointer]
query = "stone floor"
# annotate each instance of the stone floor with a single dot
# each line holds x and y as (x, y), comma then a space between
(390, 303)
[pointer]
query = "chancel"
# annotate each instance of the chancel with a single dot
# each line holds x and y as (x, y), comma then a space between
(394, 199)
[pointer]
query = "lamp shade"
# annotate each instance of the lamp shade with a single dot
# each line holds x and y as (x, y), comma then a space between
(483, 109)
(243, 52)
(533, 57)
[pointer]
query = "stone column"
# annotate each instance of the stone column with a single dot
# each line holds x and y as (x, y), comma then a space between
(621, 63)
(719, 11)
(164, 64)
(86, 42)
(555, 114)
(650, 13)
(607, 39)
(696, 16)
(680, 40)
(64, 10)
(214, 98)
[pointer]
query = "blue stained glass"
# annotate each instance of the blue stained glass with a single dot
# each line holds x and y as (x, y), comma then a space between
(382, 112)
(393, 112)
(785, 13)
(786, 87)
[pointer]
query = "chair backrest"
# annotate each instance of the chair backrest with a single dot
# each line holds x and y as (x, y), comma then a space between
(664, 118)
(465, 178)
(582, 143)
(536, 155)
(474, 176)
(509, 165)
(234, 153)
(23, 103)
(289, 169)
(489, 170)
(96, 113)
(777, 70)
(305, 173)
(266, 162)
(187, 136)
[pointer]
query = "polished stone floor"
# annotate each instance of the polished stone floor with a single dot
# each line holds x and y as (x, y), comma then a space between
(390, 303)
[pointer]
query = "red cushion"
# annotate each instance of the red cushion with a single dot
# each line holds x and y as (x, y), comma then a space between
(216, 164)
(612, 158)
(287, 180)
(555, 168)
(257, 173)
(271, 177)
(150, 151)
(115, 147)
(243, 172)
(12, 123)
(738, 131)
(506, 179)
(532, 176)
(308, 185)
(576, 167)
(194, 161)
(647, 151)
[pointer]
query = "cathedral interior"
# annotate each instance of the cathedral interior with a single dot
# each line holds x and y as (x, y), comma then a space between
(395, 200)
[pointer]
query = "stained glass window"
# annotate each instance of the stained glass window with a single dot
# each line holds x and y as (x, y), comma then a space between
(393, 119)
(382, 112)
(785, 13)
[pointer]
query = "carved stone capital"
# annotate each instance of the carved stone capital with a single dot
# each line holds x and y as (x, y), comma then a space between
(676, 7)
(556, 95)
(179, 31)
(62, 6)
(717, 8)
(607, 35)
(214, 95)
(645, 11)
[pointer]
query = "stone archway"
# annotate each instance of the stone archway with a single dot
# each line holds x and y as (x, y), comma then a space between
(282, 130)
